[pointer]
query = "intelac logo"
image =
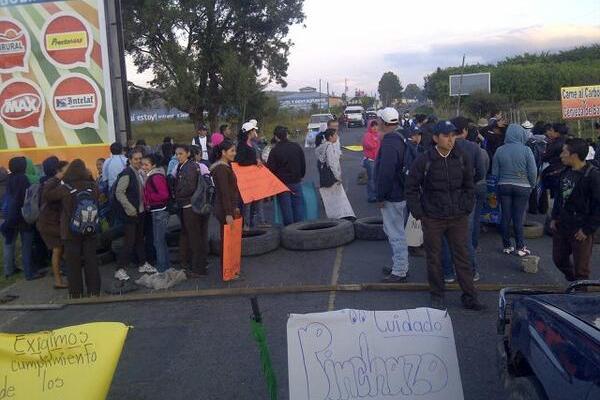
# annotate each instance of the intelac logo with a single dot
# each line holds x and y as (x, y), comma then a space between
(76, 101)
(67, 41)
(14, 46)
(21, 106)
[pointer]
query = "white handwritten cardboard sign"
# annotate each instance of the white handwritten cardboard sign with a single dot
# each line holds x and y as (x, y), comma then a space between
(356, 354)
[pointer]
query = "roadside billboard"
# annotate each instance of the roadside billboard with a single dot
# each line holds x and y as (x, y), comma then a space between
(478, 82)
(55, 91)
(580, 102)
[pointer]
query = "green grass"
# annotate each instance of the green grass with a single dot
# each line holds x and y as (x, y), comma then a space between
(183, 131)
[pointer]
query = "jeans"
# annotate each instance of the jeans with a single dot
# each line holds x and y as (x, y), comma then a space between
(159, 231)
(393, 226)
(480, 197)
(513, 203)
(292, 204)
(371, 188)
(448, 259)
(252, 212)
(26, 254)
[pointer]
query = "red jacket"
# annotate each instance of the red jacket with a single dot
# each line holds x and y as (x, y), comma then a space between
(371, 144)
(156, 190)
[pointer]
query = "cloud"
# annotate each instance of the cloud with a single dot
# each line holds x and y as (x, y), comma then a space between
(490, 48)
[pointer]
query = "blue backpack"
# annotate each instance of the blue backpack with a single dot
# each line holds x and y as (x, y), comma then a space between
(85, 220)
(409, 157)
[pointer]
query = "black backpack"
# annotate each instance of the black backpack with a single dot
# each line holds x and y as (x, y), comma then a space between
(203, 199)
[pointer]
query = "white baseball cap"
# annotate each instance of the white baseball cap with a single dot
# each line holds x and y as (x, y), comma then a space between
(527, 125)
(248, 126)
(389, 115)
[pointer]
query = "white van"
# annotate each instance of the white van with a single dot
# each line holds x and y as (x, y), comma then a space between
(316, 124)
(355, 116)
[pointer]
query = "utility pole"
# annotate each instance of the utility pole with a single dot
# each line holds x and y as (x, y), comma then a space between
(328, 96)
(346, 89)
(462, 72)
(319, 94)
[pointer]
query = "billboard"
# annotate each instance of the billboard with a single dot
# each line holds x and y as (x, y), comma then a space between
(580, 102)
(55, 91)
(479, 82)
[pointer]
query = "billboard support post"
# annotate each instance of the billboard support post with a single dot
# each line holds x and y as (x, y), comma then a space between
(462, 72)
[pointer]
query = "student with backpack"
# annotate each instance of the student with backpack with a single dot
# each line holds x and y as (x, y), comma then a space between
(156, 198)
(194, 225)
(576, 212)
(390, 172)
(48, 223)
(14, 224)
(79, 226)
(128, 194)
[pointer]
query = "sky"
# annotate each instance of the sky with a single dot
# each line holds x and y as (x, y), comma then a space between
(360, 40)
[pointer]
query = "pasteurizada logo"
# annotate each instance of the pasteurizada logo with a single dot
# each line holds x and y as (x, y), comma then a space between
(21, 106)
(76, 101)
(14, 46)
(67, 41)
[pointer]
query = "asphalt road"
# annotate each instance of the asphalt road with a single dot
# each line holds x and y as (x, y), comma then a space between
(203, 349)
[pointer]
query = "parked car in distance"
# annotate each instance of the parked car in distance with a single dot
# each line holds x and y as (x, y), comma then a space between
(354, 116)
(371, 114)
(549, 347)
(317, 123)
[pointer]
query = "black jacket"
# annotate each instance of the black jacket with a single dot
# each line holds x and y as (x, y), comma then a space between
(389, 169)
(439, 187)
(187, 181)
(581, 210)
(552, 157)
(245, 155)
(287, 162)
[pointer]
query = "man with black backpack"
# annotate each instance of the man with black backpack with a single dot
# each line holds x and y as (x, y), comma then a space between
(576, 212)
(390, 173)
(440, 192)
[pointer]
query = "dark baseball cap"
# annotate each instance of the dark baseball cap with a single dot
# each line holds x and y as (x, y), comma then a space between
(444, 128)
(201, 127)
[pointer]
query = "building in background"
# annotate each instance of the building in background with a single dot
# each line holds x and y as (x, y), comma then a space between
(306, 99)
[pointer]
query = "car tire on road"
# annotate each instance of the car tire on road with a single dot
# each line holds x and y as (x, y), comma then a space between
(370, 228)
(254, 242)
(317, 235)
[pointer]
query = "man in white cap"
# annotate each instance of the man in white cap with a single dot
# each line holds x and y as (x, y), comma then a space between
(389, 177)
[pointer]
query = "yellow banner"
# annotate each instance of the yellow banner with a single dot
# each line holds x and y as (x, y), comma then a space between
(66, 41)
(75, 362)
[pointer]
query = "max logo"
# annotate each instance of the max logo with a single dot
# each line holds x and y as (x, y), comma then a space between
(22, 106)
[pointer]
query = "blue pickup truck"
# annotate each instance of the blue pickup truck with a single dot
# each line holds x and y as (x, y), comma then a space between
(549, 343)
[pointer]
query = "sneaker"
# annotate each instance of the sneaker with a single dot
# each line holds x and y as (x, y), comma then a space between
(437, 303)
(121, 275)
(476, 276)
(391, 278)
(524, 251)
(450, 279)
(147, 269)
(508, 250)
(386, 270)
(473, 304)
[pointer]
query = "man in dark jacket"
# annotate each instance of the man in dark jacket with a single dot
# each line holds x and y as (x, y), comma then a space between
(473, 152)
(440, 192)
(576, 212)
(557, 135)
(287, 162)
(389, 177)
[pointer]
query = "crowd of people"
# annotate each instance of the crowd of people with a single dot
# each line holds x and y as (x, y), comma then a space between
(136, 190)
(438, 171)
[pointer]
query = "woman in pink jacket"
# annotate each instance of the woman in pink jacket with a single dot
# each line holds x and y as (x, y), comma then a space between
(156, 197)
(370, 150)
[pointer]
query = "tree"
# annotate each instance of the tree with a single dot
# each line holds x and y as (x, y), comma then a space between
(412, 91)
(390, 88)
(187, 43)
